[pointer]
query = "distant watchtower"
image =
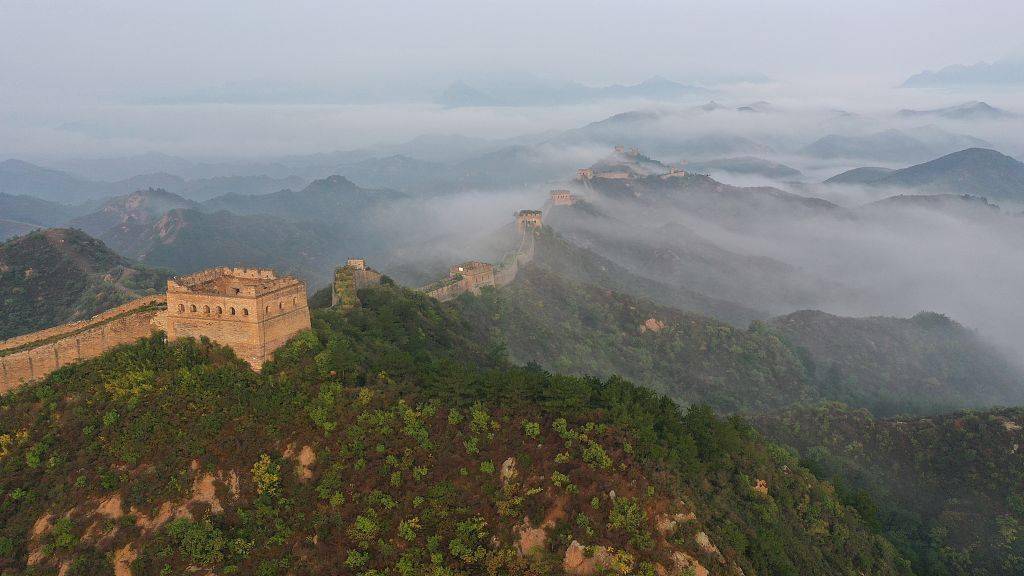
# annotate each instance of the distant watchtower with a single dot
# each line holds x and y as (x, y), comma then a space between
(528, 219)
(349, 279)
(249, 309)
(562, 198)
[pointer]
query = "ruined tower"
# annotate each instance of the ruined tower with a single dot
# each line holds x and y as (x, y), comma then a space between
(251, 310)
(350, 278)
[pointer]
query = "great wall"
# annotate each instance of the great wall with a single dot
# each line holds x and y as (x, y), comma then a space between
(470, 277)
(253, 311)
(31, 356)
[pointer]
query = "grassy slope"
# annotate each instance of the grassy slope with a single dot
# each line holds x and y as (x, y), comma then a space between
(407, 417)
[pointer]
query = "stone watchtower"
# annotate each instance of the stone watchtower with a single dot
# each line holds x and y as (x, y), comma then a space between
(562, 198)
(528, 219)
(251, 310)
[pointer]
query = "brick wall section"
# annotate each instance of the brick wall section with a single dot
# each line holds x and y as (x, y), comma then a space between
(63, 329)
(251, 310)
(502, 274)
(36, 355)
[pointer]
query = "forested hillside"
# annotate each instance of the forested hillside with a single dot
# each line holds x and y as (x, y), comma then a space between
(390, 441)
(927, 363)
(568, 327)
(50, 277)
(948, 490)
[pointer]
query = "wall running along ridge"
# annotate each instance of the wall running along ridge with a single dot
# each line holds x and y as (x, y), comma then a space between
(250, 310)
(33, 356)
(503, 274)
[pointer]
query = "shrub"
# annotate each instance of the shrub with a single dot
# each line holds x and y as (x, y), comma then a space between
(468, 543)
(200, 541)
(266, 474)
(63, 536)
(628, 516)
(6, 548)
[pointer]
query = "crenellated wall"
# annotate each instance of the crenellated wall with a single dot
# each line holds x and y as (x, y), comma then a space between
(501, 275)
(33, 356)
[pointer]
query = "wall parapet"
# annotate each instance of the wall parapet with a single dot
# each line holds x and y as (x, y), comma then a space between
(458, 283)
(41, 336)
(34, 356)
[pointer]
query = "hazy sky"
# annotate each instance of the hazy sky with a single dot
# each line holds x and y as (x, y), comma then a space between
(59, 57)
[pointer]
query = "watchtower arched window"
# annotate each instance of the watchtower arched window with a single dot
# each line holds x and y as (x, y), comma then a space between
(245, 311)
(268, 308)
(206, 309)
(181, 308)
(280, 305)
(232, 310)
(193, 308)
(220, 310)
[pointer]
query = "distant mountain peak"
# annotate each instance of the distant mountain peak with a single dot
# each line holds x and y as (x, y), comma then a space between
(974, 110)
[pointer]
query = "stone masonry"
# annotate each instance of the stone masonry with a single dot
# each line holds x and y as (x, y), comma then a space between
(251, 310)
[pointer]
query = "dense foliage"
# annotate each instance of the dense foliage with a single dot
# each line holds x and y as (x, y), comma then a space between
(378, 444)
(924, 364)
(947, 490)
(566, 327)
(54, 276)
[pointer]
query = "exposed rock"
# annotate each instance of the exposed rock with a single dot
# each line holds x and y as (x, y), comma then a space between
(577, 563)
(533, 538)
(123, 559)
(705, 543)
(681, 562)
(203, 492)
(307, 457)
(652, 324)
(111, 507)
(530, 538)
(1011, 426)
(761, 487)
(667, 523)
(508, 470)
(43, 524)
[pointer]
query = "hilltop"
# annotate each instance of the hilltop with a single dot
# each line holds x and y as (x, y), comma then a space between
(966, 111)
(50, 277)
(23, 178)
(975, 171)
(913, 145)
(572, 328)
(947, 489)
(926, 363)
(390, 439)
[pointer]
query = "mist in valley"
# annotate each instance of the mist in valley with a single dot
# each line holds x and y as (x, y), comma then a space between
(445, 144)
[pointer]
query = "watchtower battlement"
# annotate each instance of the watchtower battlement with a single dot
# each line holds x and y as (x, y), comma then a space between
(241, 282)
(563, 198)
(252, 310)
(528, 219)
